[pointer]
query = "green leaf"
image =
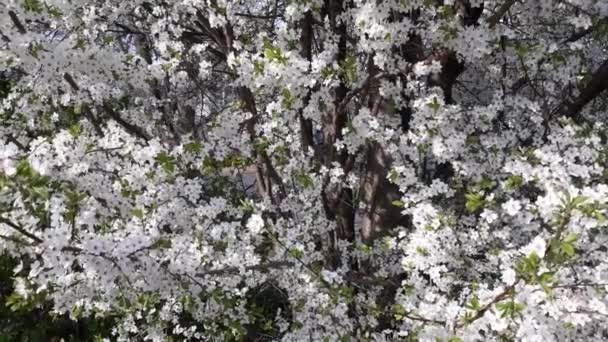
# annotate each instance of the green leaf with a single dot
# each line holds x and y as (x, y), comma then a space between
(81, 44)
(366, 249)
(577, 201)
(474, 304)
(514, 182)
(398, 203)
(261, 144)
(485, 184)
(393, 176)
(510, 308)
(521, 49)
(54, 11)
(167, 67)
(77, 311)
(32, 6)
(288, 99)
(447, 12)
(399, 311)
(274, 53)
(327, 72)
(258, 67)
(296, 253)
(108, 39)
(304, 179)
(139, 213)
(434, 105)
(193, 147)
(472, 139)
(422, 251)
(162, 243)
(75, 130)
(475, 202)
(570, 238)
(600, 217)
(167, 162)
(545, 280)
(35, 49)
(448, 32)
(527, 267)
(246, 206)
(25, 170)
(568, 249)
(348, 68)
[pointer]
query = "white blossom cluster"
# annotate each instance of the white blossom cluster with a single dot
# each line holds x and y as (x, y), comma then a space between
(394, 170)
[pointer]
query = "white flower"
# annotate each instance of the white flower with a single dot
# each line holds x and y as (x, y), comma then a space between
(489, 215)
(255, 223)
(8, 167)
(21, 288)
(508, 276)
(496, 322)
(65, 99)
(538, 246)
(598, 306)
(336, 173)
(373, 124)
(582, 21)
(423, 68)
(204, 69)
(331, 277)
(512, 207)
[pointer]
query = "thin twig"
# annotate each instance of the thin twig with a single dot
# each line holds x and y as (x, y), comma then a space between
(20, 229)
(17, 23)
(495, 18)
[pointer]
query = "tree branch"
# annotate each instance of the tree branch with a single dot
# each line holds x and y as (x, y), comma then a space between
(135, 130)
(257, 16)
(17, 23)
(481, 312)
(236, 270)
(495, 18)
(20, 229)
(597, 84)
(71, 82)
